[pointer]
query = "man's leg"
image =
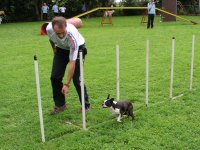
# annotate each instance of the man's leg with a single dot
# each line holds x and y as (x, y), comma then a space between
(149, 19)
(77, 84)
(60, 61)
(152, 20)
(44, 17)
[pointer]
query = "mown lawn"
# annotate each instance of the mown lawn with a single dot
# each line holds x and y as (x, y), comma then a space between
(165, 124)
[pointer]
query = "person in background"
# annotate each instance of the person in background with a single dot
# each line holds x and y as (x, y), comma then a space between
(55, 9)
(45, 10)
(66, 42)
(62, 10)
(2, 15)
(83, 7)
(151, 13)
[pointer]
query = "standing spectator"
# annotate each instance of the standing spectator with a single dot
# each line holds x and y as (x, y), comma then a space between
(45, 10)
(62, 10)
(2, 15)
(151, 13)
(83, 7)
(55, 9)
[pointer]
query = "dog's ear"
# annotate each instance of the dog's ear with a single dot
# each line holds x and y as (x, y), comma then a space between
(108, 96)
(112, 99)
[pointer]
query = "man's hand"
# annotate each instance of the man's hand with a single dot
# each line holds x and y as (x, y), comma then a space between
(65, 89)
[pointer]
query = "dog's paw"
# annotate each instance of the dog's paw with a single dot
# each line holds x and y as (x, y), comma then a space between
(119, 121)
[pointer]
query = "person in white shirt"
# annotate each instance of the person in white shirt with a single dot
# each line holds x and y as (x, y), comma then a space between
(151, 13)
(55, 9)
(62, 10)
(45, 10)
(66, 42)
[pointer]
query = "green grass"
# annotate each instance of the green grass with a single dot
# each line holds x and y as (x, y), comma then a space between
(165, 124)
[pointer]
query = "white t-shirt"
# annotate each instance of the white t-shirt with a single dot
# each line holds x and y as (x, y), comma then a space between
(151, 8)
(71, 41)
(45, 9)
(62, 9)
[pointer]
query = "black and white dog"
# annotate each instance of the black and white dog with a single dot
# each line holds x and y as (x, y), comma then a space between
(119, 108)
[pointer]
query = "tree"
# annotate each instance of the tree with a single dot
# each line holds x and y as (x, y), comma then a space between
(30, 10)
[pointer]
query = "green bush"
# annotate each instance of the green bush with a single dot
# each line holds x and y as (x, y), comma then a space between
(181, 12)
(191, 10)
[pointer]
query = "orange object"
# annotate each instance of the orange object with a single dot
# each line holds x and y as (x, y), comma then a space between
(143, 20)
(75, 21)
(107, 14)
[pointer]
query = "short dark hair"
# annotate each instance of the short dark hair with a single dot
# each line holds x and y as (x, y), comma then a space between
(60, 21)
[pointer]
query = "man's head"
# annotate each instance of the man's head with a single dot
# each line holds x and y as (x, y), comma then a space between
(45, 4)
(59, 26)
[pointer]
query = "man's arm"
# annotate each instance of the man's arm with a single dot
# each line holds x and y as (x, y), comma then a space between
(72, 57)
(71, 69)
(65, 89)
(53, 46)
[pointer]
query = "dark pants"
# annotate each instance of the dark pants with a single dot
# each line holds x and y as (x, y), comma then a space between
(45, 15)
(62, 14)
(60, 61)
(56, 14)
(150, 20)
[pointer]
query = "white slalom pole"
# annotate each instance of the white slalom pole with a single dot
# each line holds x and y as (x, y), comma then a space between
(39, 98)
(172, 68)
(82, 90)
(147, 73)
(192, 62)
(117, 71)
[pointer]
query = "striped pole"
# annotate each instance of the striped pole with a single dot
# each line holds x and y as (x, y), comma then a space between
(147, 73)
(39, 98)
(82, 91)
(117, 72)
(192, 62)
(172, 68)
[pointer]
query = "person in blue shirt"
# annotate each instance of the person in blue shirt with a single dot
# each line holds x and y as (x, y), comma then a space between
(55, 9)
(151, 13)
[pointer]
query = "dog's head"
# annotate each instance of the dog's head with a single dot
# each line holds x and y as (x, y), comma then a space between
(108, 102)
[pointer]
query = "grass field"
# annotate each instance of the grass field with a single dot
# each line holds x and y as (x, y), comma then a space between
(165, 124)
